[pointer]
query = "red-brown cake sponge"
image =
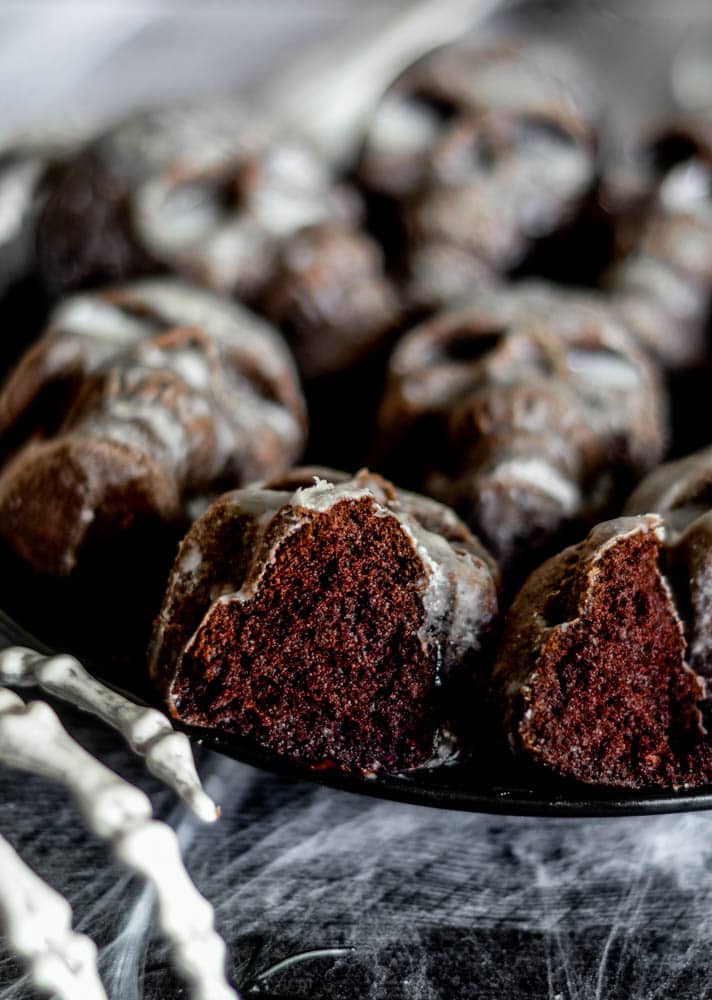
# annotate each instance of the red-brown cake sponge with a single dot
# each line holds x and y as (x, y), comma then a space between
(329, 624)
(591, 669)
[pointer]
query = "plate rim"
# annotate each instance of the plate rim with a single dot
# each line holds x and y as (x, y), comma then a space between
(557, 801)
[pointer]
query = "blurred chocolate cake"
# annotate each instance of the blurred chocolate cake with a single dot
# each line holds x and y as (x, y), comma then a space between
(529, 410)
(136, 402)
(476, 154)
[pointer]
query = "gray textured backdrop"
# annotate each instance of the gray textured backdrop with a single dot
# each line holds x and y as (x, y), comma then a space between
(433, 905)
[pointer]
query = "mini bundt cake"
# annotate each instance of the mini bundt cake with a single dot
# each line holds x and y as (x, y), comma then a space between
(206, 191)
(531, 411)
(330, 623)
(134, 401)
(681, 492)
(331, 298)
(662, 283)
(478, 151)
(26, 173)
(591, 669)
(212, 193)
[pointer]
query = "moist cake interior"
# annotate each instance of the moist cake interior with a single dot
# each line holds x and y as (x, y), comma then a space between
(323, 661)
(614, 702)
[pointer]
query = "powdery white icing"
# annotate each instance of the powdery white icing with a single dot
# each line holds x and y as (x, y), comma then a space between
(190, 559)
(91, 316)
(603, 368)
(458, 590)
(229, 323)
(169, 433)
(163, 303)
(687, 187)
(148, 732)
(541, 475)
(661, 280)
(457, 582)
(33, 739)
(38, 927)
(246, 422)
(402, 127)
(322, 496)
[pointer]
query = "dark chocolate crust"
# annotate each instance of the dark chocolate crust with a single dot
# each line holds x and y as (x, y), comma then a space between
(135, 400)
(591, 670)
(681, 492)
(328, 624)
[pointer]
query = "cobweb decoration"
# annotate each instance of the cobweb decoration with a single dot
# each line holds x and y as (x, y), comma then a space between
(420, 904)
(32, 739)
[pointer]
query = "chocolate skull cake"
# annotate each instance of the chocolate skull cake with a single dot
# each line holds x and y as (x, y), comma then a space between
(207, 191)
(212, 193)
(331, 623)
(331, 298)
(591, 670)
(135, 400)
(477, 152)
(528, 410)
(662, 283)
(681, 492)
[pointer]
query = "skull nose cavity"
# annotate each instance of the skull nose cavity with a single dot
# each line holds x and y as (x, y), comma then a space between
(468, 345)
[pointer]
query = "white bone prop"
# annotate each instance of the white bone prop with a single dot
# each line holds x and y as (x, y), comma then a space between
(33, 739)
(331, 93)
(38, 926)
(148, 732)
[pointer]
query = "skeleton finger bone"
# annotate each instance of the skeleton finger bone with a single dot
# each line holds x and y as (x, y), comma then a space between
(33, 739)
(38, 924)
(148, 732)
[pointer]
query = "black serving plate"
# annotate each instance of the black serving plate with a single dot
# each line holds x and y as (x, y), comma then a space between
(486, 781)
(492, 785)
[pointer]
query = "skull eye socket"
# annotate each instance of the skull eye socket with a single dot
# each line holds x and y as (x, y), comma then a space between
(191, 209)
(468, 345)
(671, 151)
(433, 105)
(465, 156)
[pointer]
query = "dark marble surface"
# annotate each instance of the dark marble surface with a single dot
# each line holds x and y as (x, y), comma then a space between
(425, 904)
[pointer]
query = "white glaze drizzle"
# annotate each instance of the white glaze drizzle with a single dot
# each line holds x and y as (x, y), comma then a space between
(33, 739)
(38, 926)
(148, 732)
(456, 584)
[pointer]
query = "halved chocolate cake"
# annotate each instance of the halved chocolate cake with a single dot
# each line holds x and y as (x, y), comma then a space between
(681, 492)
(591, 669)
(331, 624)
